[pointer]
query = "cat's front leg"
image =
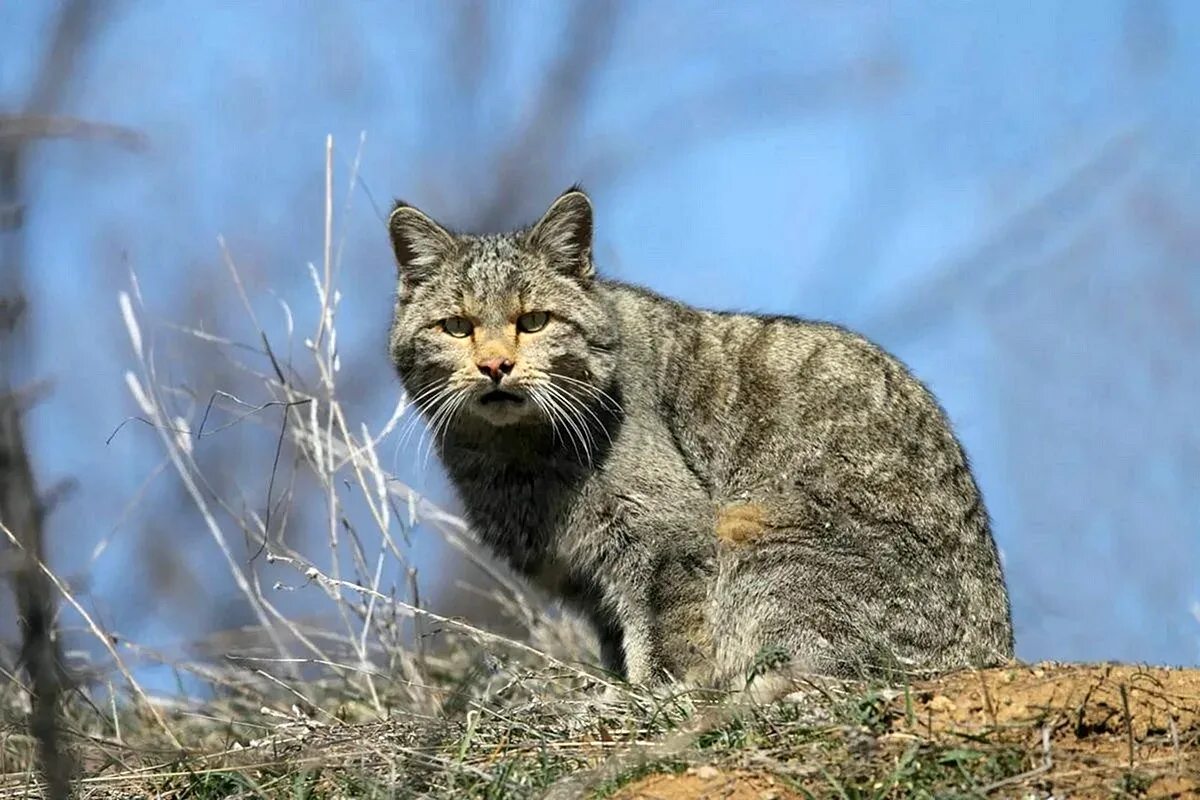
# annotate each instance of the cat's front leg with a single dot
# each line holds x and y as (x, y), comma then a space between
(665, 634)
(640, 644)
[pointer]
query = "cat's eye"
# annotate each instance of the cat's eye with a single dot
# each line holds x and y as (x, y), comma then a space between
(458, 327)
(533, 321)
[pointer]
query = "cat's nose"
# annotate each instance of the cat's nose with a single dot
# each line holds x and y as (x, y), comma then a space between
(495, 368)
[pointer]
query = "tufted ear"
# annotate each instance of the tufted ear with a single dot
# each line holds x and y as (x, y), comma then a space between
(420, 244)
(564, 234)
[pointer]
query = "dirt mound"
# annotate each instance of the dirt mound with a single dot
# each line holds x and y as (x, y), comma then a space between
(701, 783)
(1049, 730)
(1146, 702)
(1088, 731)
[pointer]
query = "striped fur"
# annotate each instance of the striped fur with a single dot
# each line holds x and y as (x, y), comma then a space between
(705, 487)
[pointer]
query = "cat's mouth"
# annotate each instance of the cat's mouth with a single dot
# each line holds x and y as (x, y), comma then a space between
(501, 397)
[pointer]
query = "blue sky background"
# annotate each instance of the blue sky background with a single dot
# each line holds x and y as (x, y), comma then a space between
(1004, 195)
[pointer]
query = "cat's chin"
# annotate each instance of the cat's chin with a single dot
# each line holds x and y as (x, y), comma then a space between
(502, 408)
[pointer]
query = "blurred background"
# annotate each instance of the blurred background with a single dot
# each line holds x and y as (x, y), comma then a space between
(1006, 197)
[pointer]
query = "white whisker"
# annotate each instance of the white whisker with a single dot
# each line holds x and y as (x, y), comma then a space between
(438, 426)
(573, 420)
(573, 434)
(585, 407)
(417, 402)
(536, 397)
(573, 406)
(429, 407)
(595, 391)
(445, 411)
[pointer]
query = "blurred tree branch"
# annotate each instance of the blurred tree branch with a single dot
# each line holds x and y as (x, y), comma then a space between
(527, 162)
(740, 102)
(48, 126)
(22, 510)
(1013, 248)
(557, 114)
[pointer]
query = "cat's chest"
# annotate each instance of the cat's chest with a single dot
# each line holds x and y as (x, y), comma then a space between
(555, 521)
(518, 511)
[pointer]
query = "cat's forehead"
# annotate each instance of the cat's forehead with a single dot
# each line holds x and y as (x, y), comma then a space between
(494, 261)
(495, 248)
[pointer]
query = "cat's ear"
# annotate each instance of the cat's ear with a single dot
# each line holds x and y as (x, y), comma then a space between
(564, 234)
(420, 244)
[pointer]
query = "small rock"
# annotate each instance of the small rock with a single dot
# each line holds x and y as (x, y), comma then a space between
(941, 703)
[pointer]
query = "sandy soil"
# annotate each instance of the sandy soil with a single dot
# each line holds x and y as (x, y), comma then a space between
(1085, 731)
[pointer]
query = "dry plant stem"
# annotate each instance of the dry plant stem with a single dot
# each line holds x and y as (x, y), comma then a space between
(316, 445)
(102, 546)
(256, 533)
(1128, 723)
(328, 285)
(104, 639)
(351, 185)
(295, 693)
(153, 407)
(327, 366)
(448, 524)
(265, 533)
(205, 672)
(473, 632)
(362, 643)
(40, 657)
(370, 649)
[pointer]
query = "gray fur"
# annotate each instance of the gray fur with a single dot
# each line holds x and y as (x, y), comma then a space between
(705, 487)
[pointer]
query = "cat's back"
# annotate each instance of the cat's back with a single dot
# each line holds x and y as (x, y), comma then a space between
(745, 342)
(741, 386)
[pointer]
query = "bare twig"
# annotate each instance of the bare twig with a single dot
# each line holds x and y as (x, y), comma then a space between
(25, 127)
(21, 511)
(1128, 722)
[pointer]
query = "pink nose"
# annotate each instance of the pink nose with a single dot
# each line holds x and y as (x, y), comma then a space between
(495, 368)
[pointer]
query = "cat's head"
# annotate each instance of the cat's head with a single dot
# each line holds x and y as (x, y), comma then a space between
(507, 327)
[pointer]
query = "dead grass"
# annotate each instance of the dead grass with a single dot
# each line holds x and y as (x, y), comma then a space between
(1050, 730)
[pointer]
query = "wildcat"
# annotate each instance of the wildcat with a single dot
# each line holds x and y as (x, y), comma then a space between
(709, 489)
